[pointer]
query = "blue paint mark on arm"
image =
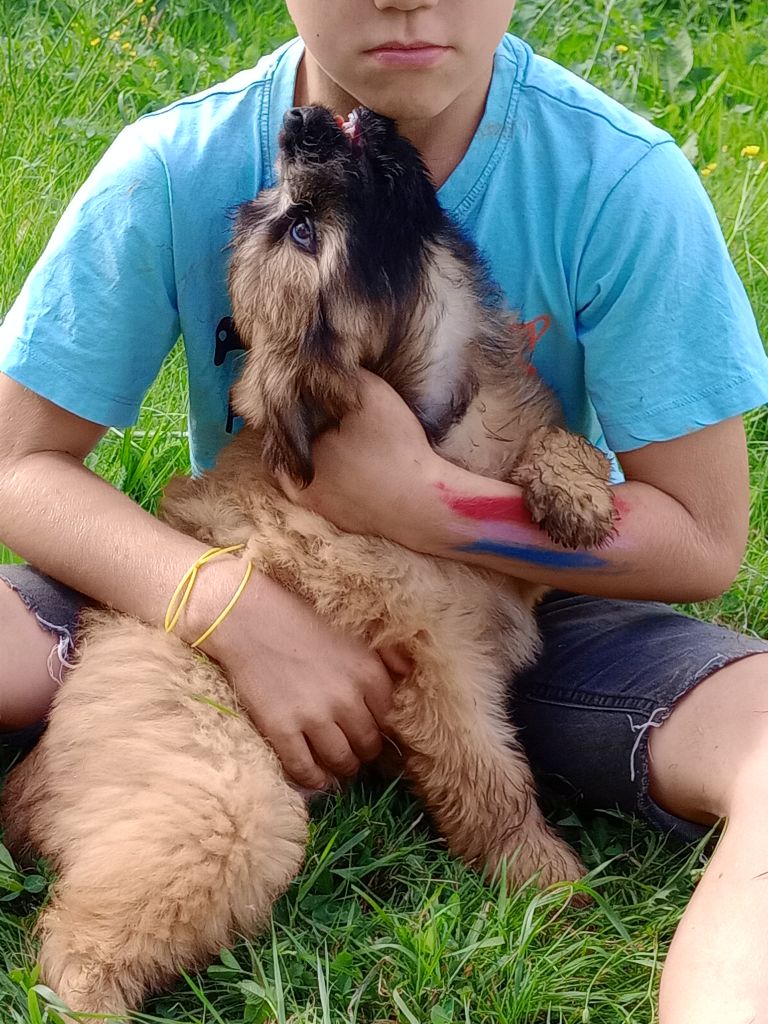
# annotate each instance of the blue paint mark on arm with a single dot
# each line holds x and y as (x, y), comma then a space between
(536, 556)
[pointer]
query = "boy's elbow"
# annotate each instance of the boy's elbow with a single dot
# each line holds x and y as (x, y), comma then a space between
(719, 566)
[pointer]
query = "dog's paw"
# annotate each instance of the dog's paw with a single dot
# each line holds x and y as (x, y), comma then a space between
(563, 866)
(580, 517)
(565, 487)
(544, 858)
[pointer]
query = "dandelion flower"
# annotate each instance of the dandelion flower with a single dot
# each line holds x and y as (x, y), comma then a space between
(711, 166)
(621, 48)
(114, 36)
(705, 172)
(95, 42)
(125, 47)
(750, 151)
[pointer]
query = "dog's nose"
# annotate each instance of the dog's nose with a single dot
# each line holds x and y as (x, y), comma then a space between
(293, 130)
(310, 132)
(293, 119)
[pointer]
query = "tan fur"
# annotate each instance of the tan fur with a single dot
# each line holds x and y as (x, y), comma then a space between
(167, 817)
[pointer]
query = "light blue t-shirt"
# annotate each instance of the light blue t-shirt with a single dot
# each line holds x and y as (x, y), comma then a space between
(592, 220)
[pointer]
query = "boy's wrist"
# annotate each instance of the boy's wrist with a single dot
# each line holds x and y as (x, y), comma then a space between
(429, 523)
(216, 584)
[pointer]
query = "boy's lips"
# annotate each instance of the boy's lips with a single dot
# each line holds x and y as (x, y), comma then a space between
(408, 55)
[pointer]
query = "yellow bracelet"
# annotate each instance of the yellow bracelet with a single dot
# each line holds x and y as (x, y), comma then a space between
(179, 600)
(217, 622)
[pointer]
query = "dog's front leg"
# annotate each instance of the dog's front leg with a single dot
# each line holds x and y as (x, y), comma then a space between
(464, 761)
(565, 484)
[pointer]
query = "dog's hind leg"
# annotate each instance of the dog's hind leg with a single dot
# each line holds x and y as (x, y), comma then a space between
(169, 821)
(463, 758)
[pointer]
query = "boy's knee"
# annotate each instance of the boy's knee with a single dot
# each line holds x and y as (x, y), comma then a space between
(31, 663)
(710, 758)
(749, 691)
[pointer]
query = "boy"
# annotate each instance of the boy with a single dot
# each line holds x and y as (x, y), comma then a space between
(594, 224)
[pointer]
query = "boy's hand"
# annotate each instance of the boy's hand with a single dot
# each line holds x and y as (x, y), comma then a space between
(374, 473)
(320, 697)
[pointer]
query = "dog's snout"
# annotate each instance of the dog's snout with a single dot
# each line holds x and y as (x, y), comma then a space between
(293, 130)
(293, 120)
(311, 133)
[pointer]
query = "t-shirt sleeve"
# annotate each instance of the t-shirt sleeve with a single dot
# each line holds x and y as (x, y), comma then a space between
(98, 314)
(670, 340)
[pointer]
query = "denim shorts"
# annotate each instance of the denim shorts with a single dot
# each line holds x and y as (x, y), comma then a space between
(609, 672)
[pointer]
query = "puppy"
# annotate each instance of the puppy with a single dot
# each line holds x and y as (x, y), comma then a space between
(169, 820)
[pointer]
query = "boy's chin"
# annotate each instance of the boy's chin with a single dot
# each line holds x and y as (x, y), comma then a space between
(404, 107)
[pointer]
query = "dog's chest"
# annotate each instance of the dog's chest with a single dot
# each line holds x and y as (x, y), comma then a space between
(451, 326)
(469, 421)
(489, 436)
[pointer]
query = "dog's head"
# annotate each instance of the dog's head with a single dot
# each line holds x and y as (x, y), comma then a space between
(325, 268)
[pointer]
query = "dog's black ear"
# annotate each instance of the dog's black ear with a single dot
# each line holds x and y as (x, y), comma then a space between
(289, 436)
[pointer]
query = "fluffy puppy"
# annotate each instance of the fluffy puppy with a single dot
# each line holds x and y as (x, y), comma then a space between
(168, 818)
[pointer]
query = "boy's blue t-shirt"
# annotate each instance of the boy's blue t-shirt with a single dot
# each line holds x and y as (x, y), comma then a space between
(592, 221)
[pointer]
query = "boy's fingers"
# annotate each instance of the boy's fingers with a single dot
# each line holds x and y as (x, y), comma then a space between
(397, 661)
(363, 734)
(296, 758)
(331, 748)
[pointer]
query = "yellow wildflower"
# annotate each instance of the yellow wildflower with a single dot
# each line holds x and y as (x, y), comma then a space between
(724, 149)
(125, 47)
(95, 42)
(621, 48)
(705, 172)
(133, 53)
(761, 166)
(114, 36)
(139, 3)
(711, 166)
(750, 151)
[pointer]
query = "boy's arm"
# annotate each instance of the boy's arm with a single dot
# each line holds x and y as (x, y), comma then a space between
(319, 696)
(680, 534)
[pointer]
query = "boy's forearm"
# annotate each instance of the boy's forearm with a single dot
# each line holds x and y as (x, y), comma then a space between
(658, 551)
(71, 524)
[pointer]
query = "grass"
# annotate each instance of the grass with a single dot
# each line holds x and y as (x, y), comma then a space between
(382, 925)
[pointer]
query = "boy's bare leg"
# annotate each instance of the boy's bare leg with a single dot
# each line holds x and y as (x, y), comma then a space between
(710, 760)
(26, 684)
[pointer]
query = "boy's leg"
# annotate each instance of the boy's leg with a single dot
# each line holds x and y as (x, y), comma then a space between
(38, 620)
(638, 706)
(710, 759)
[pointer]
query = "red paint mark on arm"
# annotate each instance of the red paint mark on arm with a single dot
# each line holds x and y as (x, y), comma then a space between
(500, 510)
(622, 507)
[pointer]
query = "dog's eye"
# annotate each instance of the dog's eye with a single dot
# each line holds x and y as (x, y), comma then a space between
(303, 234)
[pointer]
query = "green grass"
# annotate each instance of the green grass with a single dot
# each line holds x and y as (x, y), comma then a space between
(383, 925)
